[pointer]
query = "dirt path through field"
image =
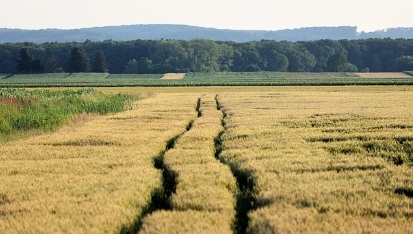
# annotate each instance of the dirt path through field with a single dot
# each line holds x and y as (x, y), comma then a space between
(173, 76)
(384, 75)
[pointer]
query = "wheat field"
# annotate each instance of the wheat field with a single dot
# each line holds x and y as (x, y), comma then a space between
(93, 178)
(335, 161)
(221, 160)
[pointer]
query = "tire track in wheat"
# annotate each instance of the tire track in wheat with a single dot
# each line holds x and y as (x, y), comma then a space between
(161, 198)
(203, 198)
(245, 196)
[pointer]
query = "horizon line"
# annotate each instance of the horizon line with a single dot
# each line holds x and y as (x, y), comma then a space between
(207, 27)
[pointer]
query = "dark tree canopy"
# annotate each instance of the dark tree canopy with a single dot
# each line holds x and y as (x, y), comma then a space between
(100, 64)
(52, 65)
(79, 62)
(336, 61)
(201, 55)
(132, 67)
(27, 63)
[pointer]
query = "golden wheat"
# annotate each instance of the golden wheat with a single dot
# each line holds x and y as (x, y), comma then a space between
(204, 197)
(318, 159)
(309, 157)
(94, 178)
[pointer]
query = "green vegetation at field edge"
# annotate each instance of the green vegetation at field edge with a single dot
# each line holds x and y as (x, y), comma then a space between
(24, 110)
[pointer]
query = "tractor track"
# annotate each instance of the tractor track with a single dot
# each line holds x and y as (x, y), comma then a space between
(245, 199)
(161, 197)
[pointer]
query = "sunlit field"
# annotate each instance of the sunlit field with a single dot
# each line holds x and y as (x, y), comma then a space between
(331, 159)
(323, 161)
(94, 177)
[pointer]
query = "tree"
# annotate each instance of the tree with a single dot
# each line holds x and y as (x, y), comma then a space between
(300, 60)
(253, 60)
(276, 62)
(169, 56)
(132, 67)
(335, 62)
(225, 59)
(204, 55)
(141, 67)
(253, 68)
(52, 65)
(347, 67)
(144, 65)
(322, 51)
(355, 52)
(27, 63)
(26, 58)
(79, 62)
(100, 65)
(404, 63)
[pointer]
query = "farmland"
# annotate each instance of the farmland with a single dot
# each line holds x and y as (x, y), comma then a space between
(221, 159)
(323, 161)
(92, 177)
(203, 79)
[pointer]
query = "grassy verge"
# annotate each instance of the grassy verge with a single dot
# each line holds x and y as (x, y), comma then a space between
(42, 110)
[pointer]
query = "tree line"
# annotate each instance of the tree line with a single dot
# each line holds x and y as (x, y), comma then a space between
(201, 55)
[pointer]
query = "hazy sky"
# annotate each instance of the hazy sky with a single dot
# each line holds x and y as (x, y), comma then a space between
(367, 15)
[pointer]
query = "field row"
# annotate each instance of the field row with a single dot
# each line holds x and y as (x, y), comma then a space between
(203, 79)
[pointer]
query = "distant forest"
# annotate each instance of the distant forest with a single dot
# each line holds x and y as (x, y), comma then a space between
(202, 55)
(187, 32)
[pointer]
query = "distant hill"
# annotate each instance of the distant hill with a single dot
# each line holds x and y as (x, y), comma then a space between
(185, 32)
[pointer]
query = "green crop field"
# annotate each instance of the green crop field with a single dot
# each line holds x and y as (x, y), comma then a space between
(216, 160)
(199, 79)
